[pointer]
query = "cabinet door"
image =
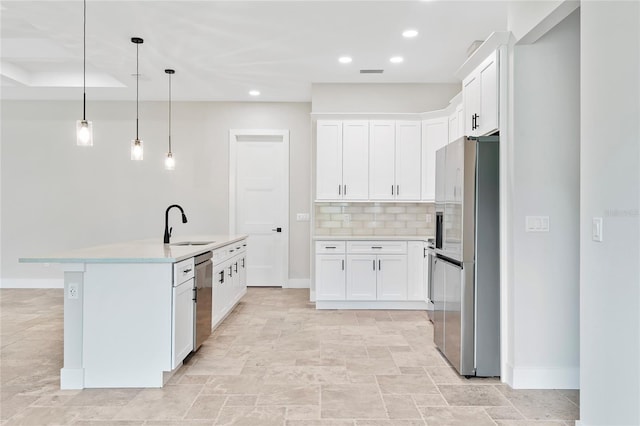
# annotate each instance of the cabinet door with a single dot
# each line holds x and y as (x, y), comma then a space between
(434, 137)
(392, 277)
(453, 127)
(217, 293)
(415, 271)
(471, 103)
(407, 160)
(361, 277)
(243, 271)
(355, 160)
(182, 327)
(330, 277)
(329, 160)
(382, 160)
(488, 116)
(460, 115)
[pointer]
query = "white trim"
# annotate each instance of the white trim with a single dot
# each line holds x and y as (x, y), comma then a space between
(546, 378)
(299, 283)
(233, 138)
(72, 378)
(32, 283)
(372, 304)
(506, 373)
(312, 295)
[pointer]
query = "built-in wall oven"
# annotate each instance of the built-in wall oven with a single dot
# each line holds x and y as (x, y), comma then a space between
(202, 299)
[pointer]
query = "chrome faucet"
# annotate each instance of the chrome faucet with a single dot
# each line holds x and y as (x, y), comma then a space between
(167, 230)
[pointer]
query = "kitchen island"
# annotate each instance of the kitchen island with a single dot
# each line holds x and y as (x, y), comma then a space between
(121, 312)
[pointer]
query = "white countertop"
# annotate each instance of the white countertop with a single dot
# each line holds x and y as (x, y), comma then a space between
(140, 251)
(371, 237)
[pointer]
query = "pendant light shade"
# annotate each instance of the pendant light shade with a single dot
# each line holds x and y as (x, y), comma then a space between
(169, 161)
(137, 148)
(84, 128)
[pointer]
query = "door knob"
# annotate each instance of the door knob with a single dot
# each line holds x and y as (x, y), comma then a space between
(277, 229)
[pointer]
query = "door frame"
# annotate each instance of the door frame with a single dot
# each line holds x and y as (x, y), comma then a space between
(234, 135)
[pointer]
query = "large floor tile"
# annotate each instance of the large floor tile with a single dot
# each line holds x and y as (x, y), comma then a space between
(351, 401)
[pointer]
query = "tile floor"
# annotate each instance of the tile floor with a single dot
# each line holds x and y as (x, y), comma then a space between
(274, 361)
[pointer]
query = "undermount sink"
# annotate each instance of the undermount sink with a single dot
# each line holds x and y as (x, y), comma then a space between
(192, 243)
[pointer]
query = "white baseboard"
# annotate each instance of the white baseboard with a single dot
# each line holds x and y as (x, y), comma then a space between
(299, 283)
(31, 283)
(371, 304)
(312, 295)
(544, 378)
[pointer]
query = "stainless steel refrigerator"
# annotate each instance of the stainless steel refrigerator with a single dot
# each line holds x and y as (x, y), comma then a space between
(466, 269)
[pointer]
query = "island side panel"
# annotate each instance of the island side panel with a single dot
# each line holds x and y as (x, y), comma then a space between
(127, 324)
(72, 373)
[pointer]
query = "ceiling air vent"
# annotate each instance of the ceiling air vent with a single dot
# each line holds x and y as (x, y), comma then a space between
(371, 71)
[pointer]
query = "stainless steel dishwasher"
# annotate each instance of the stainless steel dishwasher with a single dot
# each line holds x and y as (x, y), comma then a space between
(202, 299)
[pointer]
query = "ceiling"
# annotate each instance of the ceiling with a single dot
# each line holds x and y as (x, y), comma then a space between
(222, 49)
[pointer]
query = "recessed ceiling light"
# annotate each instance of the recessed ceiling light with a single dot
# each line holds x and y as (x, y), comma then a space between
(345, 59)
(409, 33)
(254, 92)
(396, 60)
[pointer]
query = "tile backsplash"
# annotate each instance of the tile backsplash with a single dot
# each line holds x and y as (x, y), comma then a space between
(375, 219)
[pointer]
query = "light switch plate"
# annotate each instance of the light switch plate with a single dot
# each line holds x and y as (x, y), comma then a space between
(537, 224)
(302, 217)
(596, 229)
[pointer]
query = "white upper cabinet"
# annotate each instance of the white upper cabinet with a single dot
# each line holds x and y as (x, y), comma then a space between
(456, 124)
(381, 160)
(394, 160)
(355, 160)
(329, 160)
(408, 162)
(480, 98)
(434, 136)
(342, 163)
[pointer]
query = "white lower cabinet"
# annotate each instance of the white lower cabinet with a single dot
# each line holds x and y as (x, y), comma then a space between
(330, 277)
(391, 277)
(229, 279)
(182, 324)
(361, 277)
(369, 274)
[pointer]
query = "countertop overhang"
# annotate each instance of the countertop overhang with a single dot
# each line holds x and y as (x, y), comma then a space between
(138, 251)
(372, 237)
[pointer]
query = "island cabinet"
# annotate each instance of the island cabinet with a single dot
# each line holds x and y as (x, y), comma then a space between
(129, 309)
(229, 280)
(369, 274)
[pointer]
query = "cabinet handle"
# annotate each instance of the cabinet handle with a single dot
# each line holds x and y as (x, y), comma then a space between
(186, 271)
(236, 264)
(339, 189)
(379, 265)
(330, 247)
(397, 190)
(195, 295)
(221, 277)
(374, 265)
(376, 247)
(343, 264)
(243, 262)
(230, 271)
(477, 125)
(345, 190)
(392, 190)
(231, 251)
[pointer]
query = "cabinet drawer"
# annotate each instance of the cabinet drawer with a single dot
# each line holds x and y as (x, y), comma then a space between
(183, 271)
(328, 247)
(382, 247)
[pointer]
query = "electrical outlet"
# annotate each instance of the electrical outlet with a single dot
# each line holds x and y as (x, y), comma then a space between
(73, 290)
(302, 217)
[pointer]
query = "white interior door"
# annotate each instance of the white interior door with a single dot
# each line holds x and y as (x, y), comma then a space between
(259, 202)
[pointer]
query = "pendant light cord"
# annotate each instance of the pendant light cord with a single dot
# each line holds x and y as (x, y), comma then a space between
(169, 113)
(84, 63)
(137, 84)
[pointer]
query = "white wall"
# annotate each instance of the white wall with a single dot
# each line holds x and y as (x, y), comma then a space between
(545, 180)
(529, 20)
(610, 188)
(389, 98)
(58, 196)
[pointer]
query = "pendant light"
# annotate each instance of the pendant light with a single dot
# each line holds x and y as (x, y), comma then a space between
(137, 150)
(169, 161)
(84, 128)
